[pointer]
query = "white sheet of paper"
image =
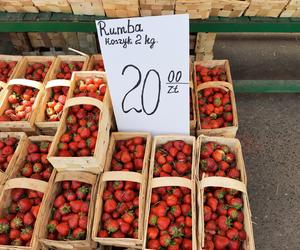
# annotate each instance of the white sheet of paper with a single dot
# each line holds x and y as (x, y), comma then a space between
(147, 64)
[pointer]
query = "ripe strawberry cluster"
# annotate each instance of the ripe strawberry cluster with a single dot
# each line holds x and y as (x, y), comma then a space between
(120, 217)
(82, 130)
(17, 223)
(66, 69)
(70, 212)
(224, 219)
(206, 74)
(92, 87)
(215, 108)
(7, 149)
(99, 66)
(37, 166)
(20, 103)
(173, 158)
(170, 219)
(218, 160)
(129, 155)
(37, 71)
(56, 103)
(6, 69)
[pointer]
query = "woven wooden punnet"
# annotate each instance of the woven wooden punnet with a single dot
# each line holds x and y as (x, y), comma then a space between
(10, 58)
(226, 131)
(229, 8)
(35, 59)
(21, 147)
(197, 9)
(233, 143)
(25, 126)
(48, 127)
(162, 139)
(121, 8)
(268, 8)
(108, 175)
(95, 163)
(53, 6)
(53, 192)
(226, 183)
(212, 64)
(157, 7)
(292, 9)
(87, 7)
(97, 58)
(67, 59)
(171, 181)
(5, 200)
(18, 6)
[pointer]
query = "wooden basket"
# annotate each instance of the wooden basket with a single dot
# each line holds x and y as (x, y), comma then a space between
(171, 181)
(67, 59)
(21, 147)
(9, 58)
(121, 8)
(94, 59)
(35, 59)
(53, 6)
(157, 7)
(48, 127)
(23, 154)
(234, 145)
(93, 164)
(25, 126)
(162, 139)
(123, 176)
(5, 199)
(226, 131)
(267, 8)
(54, 191)
(197, 9)
(193, 122)
(87, 7)
(229, 8)
(211, 64)
(226, 183)
(292, 9)
(18, 6)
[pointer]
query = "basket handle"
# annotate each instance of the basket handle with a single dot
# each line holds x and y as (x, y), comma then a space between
(83, 100)
(58, 82)
(215, 84)
(122, 176)
(171, 181)
(26, 183)
(26, 82)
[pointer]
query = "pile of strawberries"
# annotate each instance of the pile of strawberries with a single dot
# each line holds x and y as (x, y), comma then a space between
(66, 69)
(223, 218)
(82, 130)
(173, 158)
(37, 71)
(56, 103)
(37, 166)
(6, 69)
(129, 155)
(7, 149)
(99, 66)
(20, 103)
(170, 221)
(70, 212)
(218, 160)
(205, 74)
(120, 215)
(92, 87)
(215, 108)
(17, 223)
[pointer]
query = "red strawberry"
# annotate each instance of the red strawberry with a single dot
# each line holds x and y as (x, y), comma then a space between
(59, 201)
(221, 242)
(79, 234)
(26, 234)
(29, 219)
(111, 225)
(83, 220)
(24, 205)
(224, 222)
(63, 229)
(163, 223)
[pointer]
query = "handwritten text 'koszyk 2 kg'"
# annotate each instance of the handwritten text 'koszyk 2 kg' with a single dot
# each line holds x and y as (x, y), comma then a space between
(130, 35)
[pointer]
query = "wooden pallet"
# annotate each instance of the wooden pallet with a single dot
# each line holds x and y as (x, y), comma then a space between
(267, 8)
(87, 7)
(20, 42)
(53, 6)
(87, 42)
(19, 6)
(157, 7)
(197, 9)
(292, 9)
(229, 8)
(121, 8)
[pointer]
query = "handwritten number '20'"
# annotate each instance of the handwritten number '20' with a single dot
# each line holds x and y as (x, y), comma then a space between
(143, 90)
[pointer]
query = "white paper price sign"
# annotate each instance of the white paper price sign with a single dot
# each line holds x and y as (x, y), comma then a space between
(147, 65)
